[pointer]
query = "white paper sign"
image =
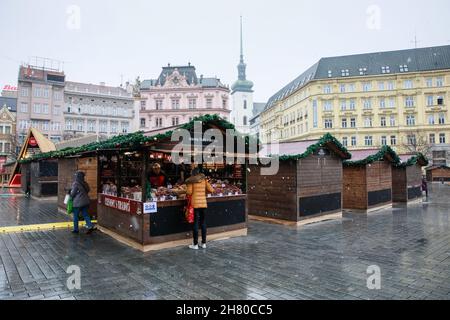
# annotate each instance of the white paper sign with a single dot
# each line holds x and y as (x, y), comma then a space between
(150, 207)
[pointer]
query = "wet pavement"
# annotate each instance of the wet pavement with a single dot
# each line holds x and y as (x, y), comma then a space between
(328, 260)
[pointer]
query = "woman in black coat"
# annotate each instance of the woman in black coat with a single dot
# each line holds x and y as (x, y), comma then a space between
(80, 196)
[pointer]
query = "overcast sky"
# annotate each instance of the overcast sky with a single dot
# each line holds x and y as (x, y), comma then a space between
(281, 38)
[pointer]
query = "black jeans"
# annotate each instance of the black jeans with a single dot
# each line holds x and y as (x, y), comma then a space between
(199, 218)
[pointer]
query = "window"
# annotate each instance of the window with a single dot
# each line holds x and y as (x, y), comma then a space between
(224, 103)
(351, 87)
(328, 123)
(345, 141)
(68, 124)
(431, 119)
(353, 141)
(440, 101)
(441, 118)
(352, 104)
(143, 104)
(192, 103)
(410, 120)
(367, 104)
(176, 104)
(114, 126)
(367, 86)
(244, 121)
(391, 85)
(381, 86)
(7, 129)
(209, 103)
(24, 92)
(327, 105)
(103, 126)
(24, 107)
(382, 103)
(159, 104)
(411, 139)
(432, 138)
(142, 123)
(158, 122)
(7, 147)
(440, 82)
(342, 88)
(393, 140)
(391, 102)
(408, 84)
(45, 108)
(383, 121)
(330, 73)
(353, 123)
(56, 110)
(385, 69)
(343, 105)
(409, 102)
(37, 92)
(392, 121)
(430, 101)
(368, 122)
(363, 71)
(383, 140)
(91, 125)
(45, 92)
(442, 138)
(327, 89)
(80, 125)
(403, 68)
(57, 95)
(37, 108)
(125, 127)
(175, 121)
(344, 123)
(345, 72)
(429, 82)
(315, 115)
(368, 140)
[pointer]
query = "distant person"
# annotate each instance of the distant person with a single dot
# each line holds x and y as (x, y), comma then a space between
(197, 187)
(425, 186)
(157, 177)
(80, 195)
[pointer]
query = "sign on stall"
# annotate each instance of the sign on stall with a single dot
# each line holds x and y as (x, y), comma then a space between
(150, 207)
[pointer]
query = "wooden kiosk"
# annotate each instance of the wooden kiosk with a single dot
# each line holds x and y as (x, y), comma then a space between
(368, 179)
(149, 218)
(307, 186)
(407, 178)
(438, 173)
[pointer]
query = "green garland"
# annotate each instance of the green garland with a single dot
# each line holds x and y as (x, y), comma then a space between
(327, 138)
(413, 161)
(132, 140)
(376, 157)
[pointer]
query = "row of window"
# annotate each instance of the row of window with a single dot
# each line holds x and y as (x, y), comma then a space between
(409, 102)
(91, 126)
(41, 92)
(192, 104)
(368, 121)
(40, 108)
(296, 130)
(99, 110)
(295, 116)
(5, 129)
(411, 139)
(382, 85)
(5, 146)
(44, 125)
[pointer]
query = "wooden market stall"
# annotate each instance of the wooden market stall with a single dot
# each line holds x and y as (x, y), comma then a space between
(150, 218)
(40, 178)
(368, 179)
(407, 178)
(438, 174)
(308, 184)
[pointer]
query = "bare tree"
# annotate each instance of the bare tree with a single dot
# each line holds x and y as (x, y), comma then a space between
(417, 141)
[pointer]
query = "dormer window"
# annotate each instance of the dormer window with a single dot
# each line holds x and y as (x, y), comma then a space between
(330, 73)
(385, 69)
(345, 72)
(363, 71)
(403, 68)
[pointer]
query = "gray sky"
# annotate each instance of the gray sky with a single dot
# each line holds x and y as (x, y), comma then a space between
(281, 38)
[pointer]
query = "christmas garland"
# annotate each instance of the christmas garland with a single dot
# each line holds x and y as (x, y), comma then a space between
(380, 155)
(419, 157)
(133, 140)
(327, 138)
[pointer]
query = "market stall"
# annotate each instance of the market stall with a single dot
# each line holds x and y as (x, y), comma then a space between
(407, 178)
(142, 195)
(308, 184)
(438, 174)
(40, 178)
(367, 179)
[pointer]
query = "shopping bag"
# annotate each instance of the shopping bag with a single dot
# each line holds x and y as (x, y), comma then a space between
(189, 210)
(70, 205)
(66, 199)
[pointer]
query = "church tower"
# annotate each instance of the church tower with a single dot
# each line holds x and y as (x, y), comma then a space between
(242, 96)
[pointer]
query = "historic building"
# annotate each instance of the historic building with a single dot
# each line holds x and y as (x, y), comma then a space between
(243, 109)
(7, 135)
(40, 101)
(397, 98)
(98, 110)
(177, 96)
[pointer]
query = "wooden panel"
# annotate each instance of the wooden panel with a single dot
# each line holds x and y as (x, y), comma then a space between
(399, 188)
(66, 169)
(89, 167)
(379, 176)
(414, 176)
(273, 196)
(354, 188)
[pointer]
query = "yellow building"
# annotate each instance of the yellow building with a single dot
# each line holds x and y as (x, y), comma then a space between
(397, 98)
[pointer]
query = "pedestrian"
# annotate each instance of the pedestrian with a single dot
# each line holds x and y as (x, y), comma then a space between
(197, 187)
(425, 186)
(80, 195)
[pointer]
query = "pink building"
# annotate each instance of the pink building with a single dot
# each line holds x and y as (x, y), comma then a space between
(178, 95)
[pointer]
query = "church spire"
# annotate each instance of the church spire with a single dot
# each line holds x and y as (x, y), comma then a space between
(242, 47)
(242, 84)
(242, 66)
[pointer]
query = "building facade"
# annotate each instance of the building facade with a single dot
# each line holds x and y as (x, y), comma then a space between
(397, 98)
(100, 110)
(177, 96)
(7, 137)
(40, 101)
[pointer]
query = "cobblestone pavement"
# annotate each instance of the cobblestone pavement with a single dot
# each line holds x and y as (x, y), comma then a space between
(20, 210)
(327, 260)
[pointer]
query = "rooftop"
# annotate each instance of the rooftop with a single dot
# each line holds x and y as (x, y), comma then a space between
(96, 89)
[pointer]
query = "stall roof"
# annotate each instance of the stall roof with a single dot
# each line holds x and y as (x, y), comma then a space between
(437, 167)
(301, 149)
(412, 159)
(367, 156)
